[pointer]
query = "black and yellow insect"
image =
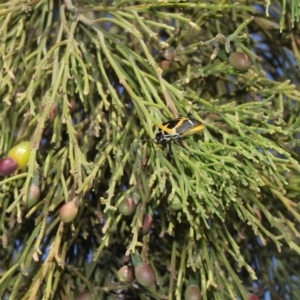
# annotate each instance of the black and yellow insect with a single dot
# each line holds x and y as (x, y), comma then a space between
(177, 128)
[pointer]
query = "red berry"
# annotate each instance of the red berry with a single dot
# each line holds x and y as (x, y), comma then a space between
(33, 196)
(147, 223)
(68, 211)
(53, 112)
(240, 61)
(127, 207)
(145, 275)
(192, 293)
(86, 296)
(126, 274)
(7, 166)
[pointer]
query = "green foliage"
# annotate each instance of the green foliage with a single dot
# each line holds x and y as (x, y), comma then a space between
(85, 81)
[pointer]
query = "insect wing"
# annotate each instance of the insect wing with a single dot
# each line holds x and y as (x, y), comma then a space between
(167, 131)
(190, 126)
(178, 127)
(183, 125)
(170, 127)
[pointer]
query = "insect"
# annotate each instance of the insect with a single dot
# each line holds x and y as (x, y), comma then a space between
(174, 129)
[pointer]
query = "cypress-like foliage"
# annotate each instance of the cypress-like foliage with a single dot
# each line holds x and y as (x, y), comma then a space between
(214, 215)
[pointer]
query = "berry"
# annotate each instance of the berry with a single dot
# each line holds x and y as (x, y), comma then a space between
(7, 166)
(68, 211)
(240, 61)
(145, 275)
(21, 154)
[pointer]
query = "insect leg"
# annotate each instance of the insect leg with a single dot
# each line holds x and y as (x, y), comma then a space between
(170, 154)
